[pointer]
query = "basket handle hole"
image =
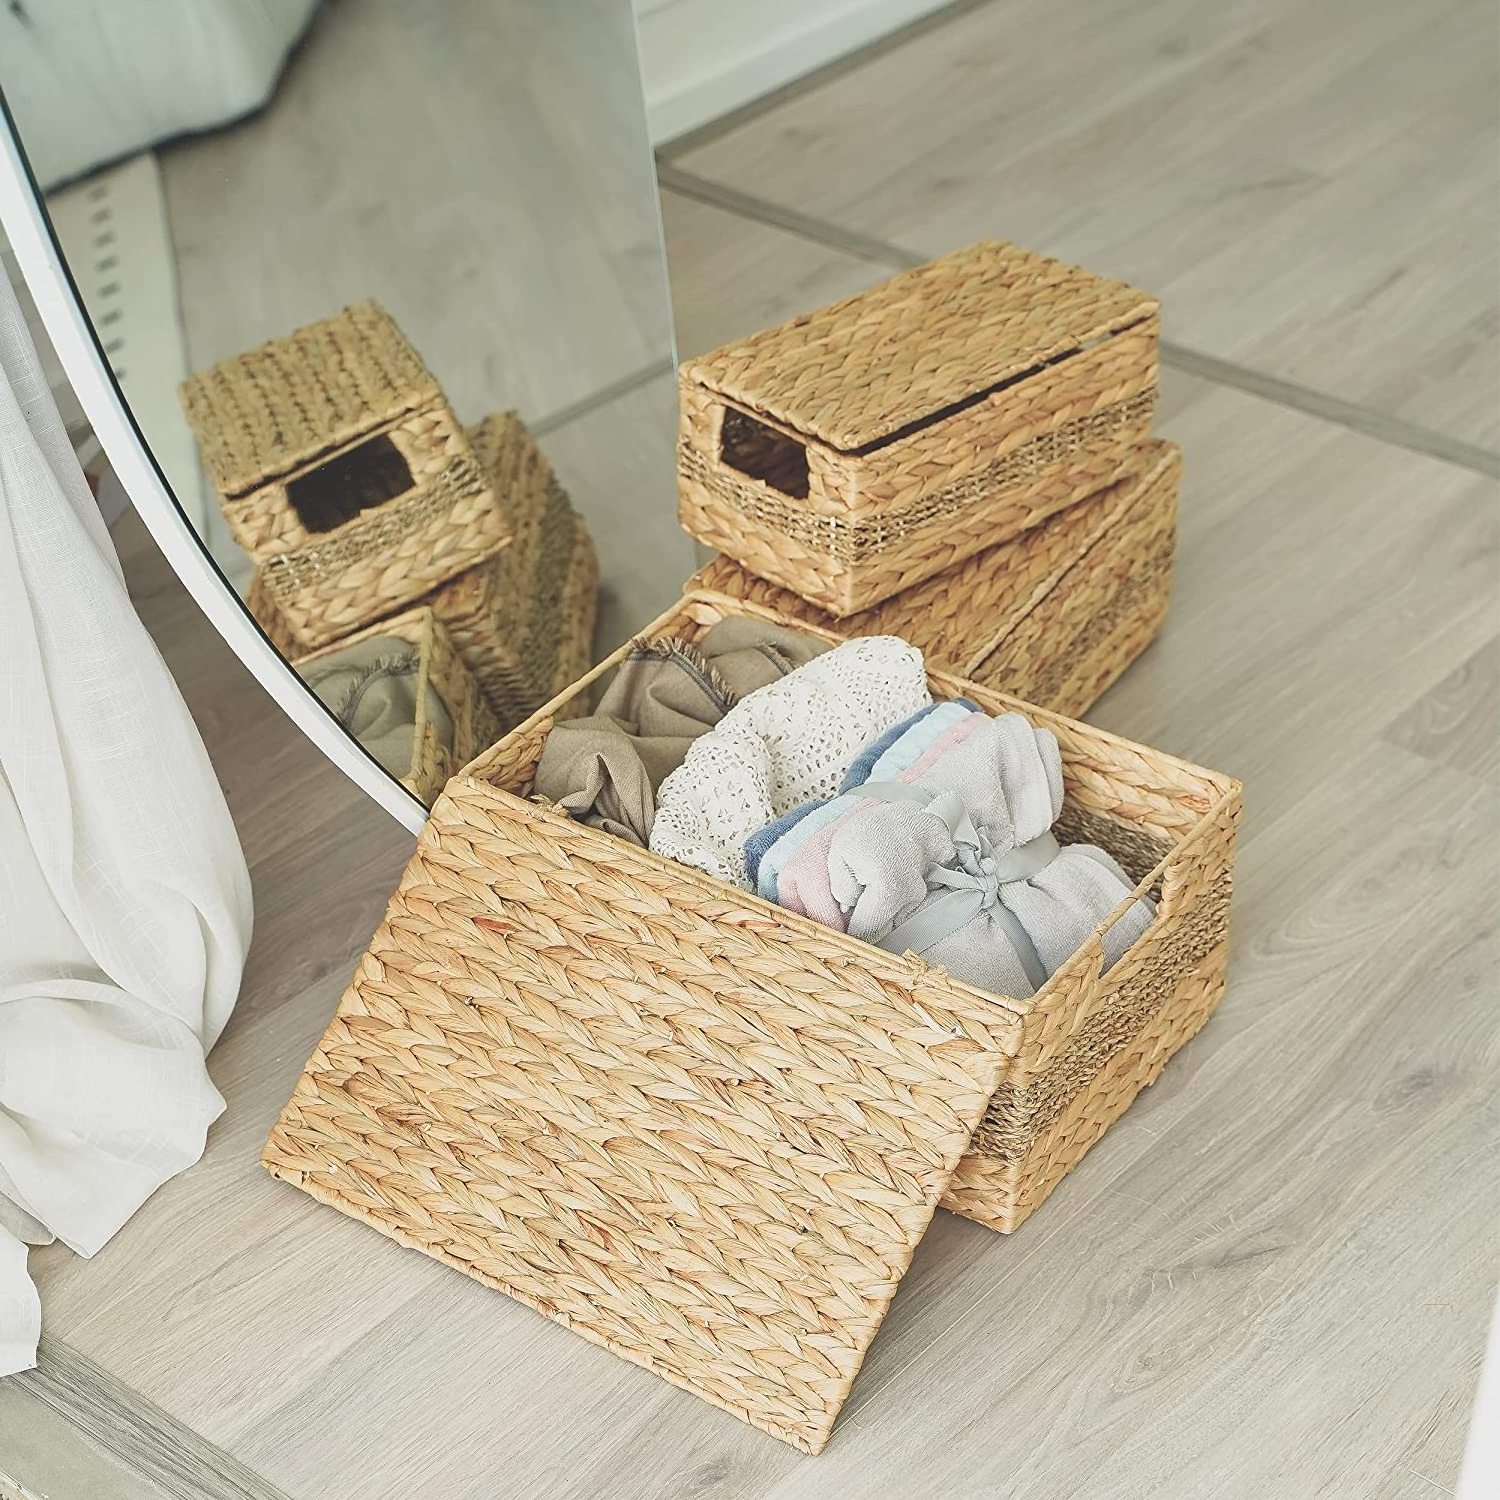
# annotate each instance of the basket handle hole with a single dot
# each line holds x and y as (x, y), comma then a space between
(356, 480)
(760, 452)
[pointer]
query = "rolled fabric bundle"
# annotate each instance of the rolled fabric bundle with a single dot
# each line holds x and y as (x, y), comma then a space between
(895, 751)
(789, 742)
(604, 770)
(802, 884)
(963, 869)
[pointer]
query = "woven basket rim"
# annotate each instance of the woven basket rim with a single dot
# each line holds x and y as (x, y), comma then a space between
(801, 375)
(416, 625)
(1090, 953)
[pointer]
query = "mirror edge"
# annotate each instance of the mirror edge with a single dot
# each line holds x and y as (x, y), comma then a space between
(23, 217)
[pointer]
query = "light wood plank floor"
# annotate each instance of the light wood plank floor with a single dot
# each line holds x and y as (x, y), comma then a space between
(1272, 1278)
(1311, 189)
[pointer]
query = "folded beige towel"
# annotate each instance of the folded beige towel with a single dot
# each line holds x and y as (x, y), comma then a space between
(604, 770)
(371, 688)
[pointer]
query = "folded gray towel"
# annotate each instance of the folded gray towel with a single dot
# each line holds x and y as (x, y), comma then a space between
(963, 868)
(371, 687)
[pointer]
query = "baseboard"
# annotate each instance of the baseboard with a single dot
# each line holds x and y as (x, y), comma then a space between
(703, 58)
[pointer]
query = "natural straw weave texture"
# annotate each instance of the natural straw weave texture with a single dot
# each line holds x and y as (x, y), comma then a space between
(271, 620)
(346, 396)
(524, 621)
(699, 1129)
(858, 450)
(441, 670)
(1053, 617)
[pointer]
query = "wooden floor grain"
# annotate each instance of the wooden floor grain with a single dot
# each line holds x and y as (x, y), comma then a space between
(1272, 1277)
(1311, 189)
(470, 173)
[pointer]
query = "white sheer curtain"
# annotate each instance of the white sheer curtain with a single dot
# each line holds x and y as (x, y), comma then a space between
(124, 898)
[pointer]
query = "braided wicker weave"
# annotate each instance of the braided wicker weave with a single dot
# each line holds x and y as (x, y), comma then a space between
(342, 471)
(699, 1129)
(1053, 617)
(858, 450)
(441, 670)
(524, 621)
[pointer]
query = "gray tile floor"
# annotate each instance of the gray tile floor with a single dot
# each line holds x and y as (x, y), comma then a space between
(1272, 1278)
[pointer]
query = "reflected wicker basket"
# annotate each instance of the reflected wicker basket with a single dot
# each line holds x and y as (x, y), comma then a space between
(342, 471)
(437, 749)
(523, 622)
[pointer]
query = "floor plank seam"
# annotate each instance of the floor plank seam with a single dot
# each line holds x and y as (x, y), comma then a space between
(135, 1433)
(1394, 431)
(624, 386)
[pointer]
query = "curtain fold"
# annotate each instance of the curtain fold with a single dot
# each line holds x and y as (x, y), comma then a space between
(124, 898)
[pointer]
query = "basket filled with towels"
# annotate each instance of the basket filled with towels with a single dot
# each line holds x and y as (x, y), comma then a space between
(709, 982)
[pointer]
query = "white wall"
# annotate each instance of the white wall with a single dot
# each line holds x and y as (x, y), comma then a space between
(703, 58)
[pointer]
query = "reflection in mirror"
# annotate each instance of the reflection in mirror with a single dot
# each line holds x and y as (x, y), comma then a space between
(405, 265)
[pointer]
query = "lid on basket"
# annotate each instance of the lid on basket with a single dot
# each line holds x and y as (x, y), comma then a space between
(616, 1091)
(270, 411)
(854, 373)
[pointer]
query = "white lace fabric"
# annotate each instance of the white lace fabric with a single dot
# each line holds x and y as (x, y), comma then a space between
(780, 746)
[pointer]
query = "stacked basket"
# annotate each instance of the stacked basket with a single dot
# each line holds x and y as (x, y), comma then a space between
(961, 455)
(343, 471)
(693, 1126)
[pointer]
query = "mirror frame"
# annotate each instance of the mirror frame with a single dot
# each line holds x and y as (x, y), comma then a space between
(28, 227)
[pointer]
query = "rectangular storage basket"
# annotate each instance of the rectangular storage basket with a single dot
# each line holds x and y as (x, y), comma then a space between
(342, 471)
(699, 1129)
(524, 621)
(442, 670)
(1053, 617)
(858, 450)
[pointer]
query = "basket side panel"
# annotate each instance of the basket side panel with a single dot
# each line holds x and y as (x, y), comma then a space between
(636, 1101)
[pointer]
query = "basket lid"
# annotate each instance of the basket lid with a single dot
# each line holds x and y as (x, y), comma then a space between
(263, 414)
(705, 1149)
(856, 372)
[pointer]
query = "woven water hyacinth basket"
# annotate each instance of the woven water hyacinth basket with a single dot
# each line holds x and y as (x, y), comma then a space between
(434, 755)
(524, 621)
(701, 1130)
(342, 471)
(858, 450)
(1053, 617)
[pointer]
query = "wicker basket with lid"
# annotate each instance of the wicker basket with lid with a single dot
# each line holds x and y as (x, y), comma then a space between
(699, 1129)
(858, 450)
(341, 469)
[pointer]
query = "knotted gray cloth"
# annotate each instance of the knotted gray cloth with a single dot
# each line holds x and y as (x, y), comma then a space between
(963, 868)
(604, 770)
